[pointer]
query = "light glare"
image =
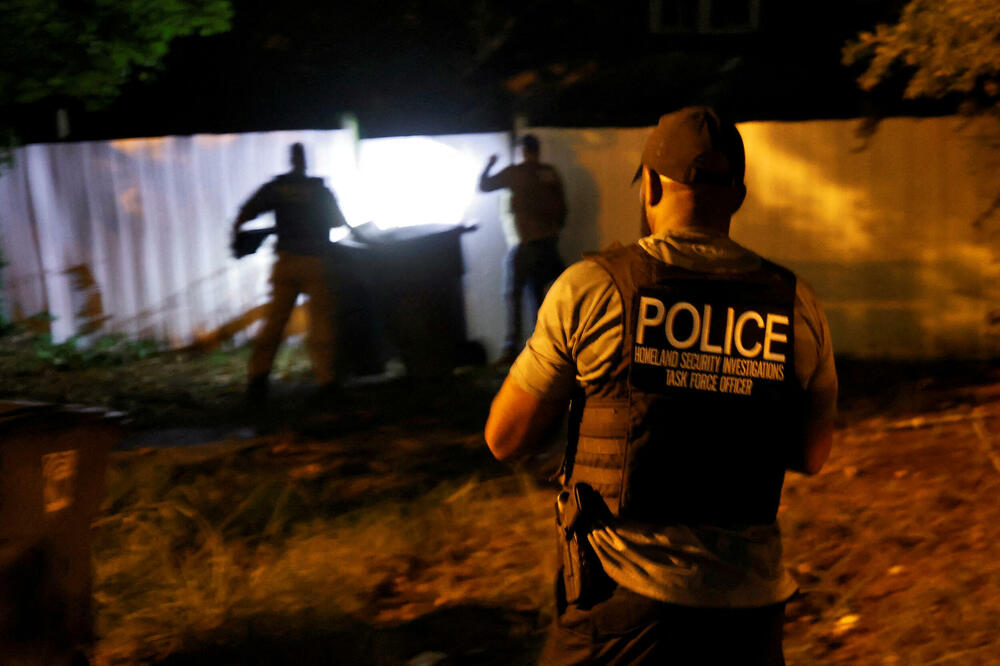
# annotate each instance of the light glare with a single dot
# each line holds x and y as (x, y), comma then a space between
(416, 180)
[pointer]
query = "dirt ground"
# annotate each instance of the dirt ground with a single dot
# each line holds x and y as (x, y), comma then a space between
(895, 544)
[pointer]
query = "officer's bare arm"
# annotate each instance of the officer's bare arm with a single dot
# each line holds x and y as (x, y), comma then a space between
(816, 444)
(519, 422)
(819, 441)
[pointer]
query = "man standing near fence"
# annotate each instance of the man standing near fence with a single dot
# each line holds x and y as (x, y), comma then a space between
(696, 373)
(538, 205)
(304, 212)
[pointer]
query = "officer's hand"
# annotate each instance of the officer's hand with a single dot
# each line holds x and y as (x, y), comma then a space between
(493, 160)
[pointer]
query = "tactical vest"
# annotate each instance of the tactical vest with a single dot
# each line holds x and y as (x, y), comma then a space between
(302, 214)
(695, 422)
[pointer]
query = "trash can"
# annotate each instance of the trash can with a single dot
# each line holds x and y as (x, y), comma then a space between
(416, 273)
(362, 347)
(52, 465)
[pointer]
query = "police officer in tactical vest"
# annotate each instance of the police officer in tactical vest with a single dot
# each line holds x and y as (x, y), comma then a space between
(304, 212)
(696, 373)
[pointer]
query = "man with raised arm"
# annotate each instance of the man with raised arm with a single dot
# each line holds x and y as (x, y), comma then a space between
(538, 205)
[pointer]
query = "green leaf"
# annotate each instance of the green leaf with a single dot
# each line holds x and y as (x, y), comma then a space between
(88, 51)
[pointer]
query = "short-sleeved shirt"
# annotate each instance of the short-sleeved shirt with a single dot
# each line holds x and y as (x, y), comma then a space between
(304, 212)
(537, 201)
(577, 340)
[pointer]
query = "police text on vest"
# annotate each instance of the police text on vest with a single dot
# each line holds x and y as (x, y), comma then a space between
(653, 312)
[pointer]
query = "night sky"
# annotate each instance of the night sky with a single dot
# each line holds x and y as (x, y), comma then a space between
(451, 66)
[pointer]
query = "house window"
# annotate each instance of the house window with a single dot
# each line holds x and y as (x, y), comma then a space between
(704, 16)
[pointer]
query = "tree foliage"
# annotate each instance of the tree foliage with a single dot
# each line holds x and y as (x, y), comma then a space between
(941, 46)
(88, 49)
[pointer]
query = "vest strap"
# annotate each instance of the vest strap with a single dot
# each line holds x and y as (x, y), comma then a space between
(605, 421)
(603, 446)
(610, 476)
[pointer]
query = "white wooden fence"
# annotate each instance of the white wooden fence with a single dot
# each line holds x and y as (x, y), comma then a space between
(136, 231)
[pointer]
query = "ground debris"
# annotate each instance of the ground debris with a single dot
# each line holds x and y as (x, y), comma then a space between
(391, 534)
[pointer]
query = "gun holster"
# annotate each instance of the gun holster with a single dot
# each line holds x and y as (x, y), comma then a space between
(577, 511)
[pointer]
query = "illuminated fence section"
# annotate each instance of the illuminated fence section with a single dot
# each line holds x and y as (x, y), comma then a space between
(416, 180)
(895, 233)
(132, 236)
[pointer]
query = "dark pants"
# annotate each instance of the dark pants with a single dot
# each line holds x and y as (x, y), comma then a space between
(628, 628)
(533, 265)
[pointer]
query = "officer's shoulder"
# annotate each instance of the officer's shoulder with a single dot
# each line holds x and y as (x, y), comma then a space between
(318, 184)
(586, 275)
(611, 252)
(614, 247)
(773, 265)
(281, 181)
(804, 290)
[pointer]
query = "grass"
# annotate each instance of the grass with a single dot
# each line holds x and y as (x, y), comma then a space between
(378, 530)
(192, 568)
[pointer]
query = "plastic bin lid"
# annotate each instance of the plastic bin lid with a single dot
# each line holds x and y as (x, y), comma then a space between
(13, 411)
(16, 409)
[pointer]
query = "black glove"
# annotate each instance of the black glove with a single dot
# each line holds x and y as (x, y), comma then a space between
(248, 242)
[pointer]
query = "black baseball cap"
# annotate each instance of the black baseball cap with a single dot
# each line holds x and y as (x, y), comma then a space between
(694, 145)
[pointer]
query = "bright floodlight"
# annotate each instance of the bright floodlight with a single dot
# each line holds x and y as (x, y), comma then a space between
(416, 180)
